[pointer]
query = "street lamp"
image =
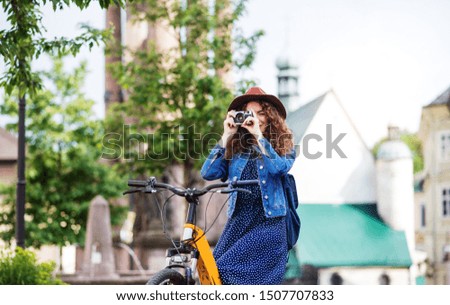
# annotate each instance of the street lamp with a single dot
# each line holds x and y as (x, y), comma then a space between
(21, 182)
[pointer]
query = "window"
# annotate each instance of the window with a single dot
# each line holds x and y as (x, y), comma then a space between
(283, 86)
(444, 143)
(422, 215)
(384, 279)
(336, 279)
(446, 257)
(446, 202)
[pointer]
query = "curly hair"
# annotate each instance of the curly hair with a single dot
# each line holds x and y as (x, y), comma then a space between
(276, 132)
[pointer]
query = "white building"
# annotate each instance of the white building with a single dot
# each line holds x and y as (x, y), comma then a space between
(328, 140)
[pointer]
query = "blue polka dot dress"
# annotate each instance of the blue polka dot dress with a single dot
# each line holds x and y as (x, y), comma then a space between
(252, 249)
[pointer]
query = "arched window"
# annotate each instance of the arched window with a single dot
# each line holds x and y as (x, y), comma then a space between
(384, 279)
(336, 279)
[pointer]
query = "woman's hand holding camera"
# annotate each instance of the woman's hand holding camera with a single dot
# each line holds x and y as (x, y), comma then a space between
(252, 125)
(229, 127)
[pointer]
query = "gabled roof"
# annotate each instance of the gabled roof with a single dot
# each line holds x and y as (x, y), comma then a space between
(8, 146)
(443, 99)
(300, 119)
(349, 235)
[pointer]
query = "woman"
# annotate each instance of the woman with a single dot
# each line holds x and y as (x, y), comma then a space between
(252, 249)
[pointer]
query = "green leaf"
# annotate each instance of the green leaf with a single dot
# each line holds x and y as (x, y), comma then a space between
(23, 41)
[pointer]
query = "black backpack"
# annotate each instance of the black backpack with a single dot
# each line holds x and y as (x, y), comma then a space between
(293, 223)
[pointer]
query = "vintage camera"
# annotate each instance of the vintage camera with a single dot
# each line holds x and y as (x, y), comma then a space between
(240, 116)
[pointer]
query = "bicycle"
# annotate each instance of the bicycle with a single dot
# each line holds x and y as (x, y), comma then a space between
(192, 253)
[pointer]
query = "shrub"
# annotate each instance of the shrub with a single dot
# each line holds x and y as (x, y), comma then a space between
(20, 267)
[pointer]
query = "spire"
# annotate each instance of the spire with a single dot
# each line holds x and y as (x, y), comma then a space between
(287, 75)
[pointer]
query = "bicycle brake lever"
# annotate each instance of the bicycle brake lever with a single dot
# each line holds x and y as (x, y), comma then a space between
(149, 189)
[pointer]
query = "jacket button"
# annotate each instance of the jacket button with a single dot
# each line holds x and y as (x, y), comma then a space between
(270, 213)
(264, 181)
(261, 167)
(266, 197)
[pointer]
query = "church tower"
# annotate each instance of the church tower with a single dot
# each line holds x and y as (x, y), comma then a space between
(288, 81)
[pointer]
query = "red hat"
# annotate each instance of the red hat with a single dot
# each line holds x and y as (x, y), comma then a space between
(257, 94)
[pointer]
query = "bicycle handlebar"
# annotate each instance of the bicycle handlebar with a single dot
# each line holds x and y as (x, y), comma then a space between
(151, 185)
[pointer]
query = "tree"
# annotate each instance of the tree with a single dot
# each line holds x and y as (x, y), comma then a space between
(177, 96)
(63, 168)
(414, 144)
(19, 46)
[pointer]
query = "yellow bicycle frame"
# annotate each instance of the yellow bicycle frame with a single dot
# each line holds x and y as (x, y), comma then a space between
(206, 265)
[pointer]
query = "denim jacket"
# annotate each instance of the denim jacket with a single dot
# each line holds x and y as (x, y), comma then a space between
(270, 165)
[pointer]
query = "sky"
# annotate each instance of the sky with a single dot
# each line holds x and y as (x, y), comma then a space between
(385, 59)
